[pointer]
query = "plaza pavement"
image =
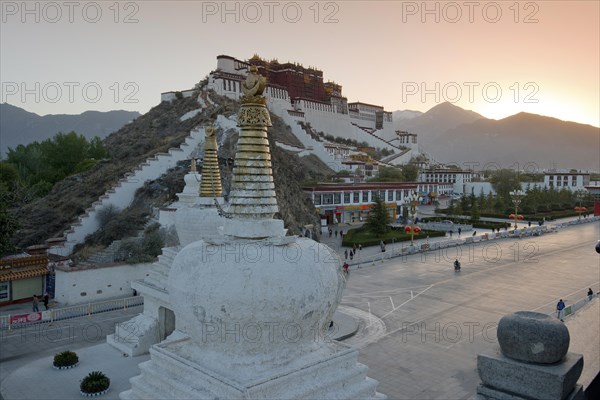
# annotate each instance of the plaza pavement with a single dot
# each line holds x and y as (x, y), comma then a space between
(421, 325)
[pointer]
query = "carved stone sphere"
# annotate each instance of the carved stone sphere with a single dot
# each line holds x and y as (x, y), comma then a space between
(533, 337)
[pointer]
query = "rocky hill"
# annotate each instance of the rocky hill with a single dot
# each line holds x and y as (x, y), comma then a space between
(157, 131)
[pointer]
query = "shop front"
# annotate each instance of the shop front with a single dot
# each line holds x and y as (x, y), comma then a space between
(22, 277)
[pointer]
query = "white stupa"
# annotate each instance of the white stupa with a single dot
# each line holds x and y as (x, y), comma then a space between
(252, 305)
(197, 216)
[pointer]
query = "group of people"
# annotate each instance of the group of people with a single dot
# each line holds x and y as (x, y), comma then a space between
(36, 302)
(352, 252)
(331, 232)
(560, 306)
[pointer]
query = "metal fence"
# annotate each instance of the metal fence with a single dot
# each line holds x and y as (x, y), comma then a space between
(8, 322)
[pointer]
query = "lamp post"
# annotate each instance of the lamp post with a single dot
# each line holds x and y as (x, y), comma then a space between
(580, 195)
(413, 200)
(517, 196)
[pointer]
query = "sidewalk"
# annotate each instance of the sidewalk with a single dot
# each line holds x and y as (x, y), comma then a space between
(372, 254)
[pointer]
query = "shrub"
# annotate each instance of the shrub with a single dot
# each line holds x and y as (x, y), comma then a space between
(94, 382)
(65, 359)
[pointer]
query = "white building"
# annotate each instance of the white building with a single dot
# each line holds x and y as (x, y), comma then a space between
(567, 180)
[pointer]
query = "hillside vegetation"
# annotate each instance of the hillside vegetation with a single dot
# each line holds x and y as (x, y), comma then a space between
(157, 131)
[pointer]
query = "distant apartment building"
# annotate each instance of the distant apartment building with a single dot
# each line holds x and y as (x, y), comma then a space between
(338, 151)
(460, 180)
(362, 165)
(345, 203)
(572, 181)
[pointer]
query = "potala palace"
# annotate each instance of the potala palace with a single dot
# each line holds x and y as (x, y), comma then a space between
(300, 97)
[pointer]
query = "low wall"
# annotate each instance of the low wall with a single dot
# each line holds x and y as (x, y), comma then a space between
(97, 283)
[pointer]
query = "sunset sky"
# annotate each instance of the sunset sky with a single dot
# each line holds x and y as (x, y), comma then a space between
(496, 58)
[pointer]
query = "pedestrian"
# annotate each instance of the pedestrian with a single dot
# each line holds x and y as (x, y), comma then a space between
(354, 247)
(450, 233)
(590, 293)
(341, 234)
(45, 300)
(351, 256)
(529, 224)
(459, 231)
(36, 303)
(359, 247)
(560, 306)
(346, 254)
(330, 232)
(345, 266)
(336, 233)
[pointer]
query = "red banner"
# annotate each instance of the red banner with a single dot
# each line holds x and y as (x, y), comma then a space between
(596, 208)
(25, 318)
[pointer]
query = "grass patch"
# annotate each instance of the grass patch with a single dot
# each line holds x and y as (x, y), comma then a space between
(366, 237)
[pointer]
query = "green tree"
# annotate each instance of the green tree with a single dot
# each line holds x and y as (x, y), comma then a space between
(475, 212)
(410, 172)
(378, 218)
(8, 224)
(389, 174)
(505, 181)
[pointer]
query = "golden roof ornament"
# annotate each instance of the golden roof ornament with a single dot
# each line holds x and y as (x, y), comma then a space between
(253, 87)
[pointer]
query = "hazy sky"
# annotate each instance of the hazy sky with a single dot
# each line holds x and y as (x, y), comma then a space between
(496, 58)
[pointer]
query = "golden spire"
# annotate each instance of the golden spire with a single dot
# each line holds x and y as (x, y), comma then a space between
(252, 193)
(210, 182)
(193, 166)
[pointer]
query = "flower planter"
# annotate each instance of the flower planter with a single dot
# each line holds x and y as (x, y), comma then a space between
(66, 366)
(94, 394)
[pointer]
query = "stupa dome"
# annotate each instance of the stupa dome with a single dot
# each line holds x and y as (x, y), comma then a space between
(253, 301)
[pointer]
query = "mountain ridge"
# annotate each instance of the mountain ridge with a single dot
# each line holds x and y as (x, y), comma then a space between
(19, 126)
(451, 134)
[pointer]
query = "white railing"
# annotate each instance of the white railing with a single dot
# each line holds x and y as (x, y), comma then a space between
(59, 314)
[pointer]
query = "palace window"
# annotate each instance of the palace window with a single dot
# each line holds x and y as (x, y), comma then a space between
(390, 195)
(337, 198)
(346, 198)
(328, 198)
(356, 197)
(317, 200)
(365, 196)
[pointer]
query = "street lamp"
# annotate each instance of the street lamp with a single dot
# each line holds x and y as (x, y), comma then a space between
(517, 196)
(413, 200)
(580, 195)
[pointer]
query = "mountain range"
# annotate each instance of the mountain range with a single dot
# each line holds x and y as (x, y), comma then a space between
(450, 134)
(18, 126)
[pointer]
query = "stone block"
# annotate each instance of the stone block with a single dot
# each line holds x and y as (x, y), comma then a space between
(486, 393)
(532, 381)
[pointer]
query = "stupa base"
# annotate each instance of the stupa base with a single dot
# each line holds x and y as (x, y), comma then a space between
(174, 372)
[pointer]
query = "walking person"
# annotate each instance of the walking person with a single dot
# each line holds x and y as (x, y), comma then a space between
(45, 300)
(590, 294)
(36, 303)
(459, 231)
(346, 254)
(560, 306)
(336, 233)
(330, 232)
(359, 247)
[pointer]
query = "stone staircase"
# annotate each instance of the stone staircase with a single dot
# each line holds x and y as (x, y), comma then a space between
(122, 194)
(159, 272)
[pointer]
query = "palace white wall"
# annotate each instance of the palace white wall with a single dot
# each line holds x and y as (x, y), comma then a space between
(100, 283)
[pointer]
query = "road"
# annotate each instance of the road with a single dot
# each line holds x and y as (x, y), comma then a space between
(432, 322)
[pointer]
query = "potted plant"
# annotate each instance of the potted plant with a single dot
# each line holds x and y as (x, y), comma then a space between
(65, 360)
(94, 384)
